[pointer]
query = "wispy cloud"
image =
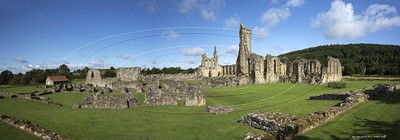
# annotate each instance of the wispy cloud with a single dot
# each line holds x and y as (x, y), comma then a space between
(232, 50)
(232, 22)
(196, 51)
(123, 56)
(273, 16)
(294, 3)
(97, 63)
(342, 22)
(170, 34)
(21, 60)
(151, 5)
(206, 8)
(190, 61)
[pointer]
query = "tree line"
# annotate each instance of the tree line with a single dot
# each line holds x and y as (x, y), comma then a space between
(38, 76)
(360, 59)
(167, 70)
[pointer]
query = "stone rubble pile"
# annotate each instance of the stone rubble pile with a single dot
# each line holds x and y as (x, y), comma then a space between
(168, 92)
(31, 128)
(216, 82)
(284, 126)
(218, 109)
(111, 102)
(265, 136)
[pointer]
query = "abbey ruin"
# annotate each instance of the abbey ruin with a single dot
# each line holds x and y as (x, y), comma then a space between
(252, 68)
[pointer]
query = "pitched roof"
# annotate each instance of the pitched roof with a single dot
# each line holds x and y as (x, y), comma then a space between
(58, 78)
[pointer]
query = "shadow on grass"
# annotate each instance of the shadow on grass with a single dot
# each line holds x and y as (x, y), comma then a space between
(332, 137)
(377, 129)
(391, 98)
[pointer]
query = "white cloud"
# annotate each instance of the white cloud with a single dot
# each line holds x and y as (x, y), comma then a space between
(260, 32)
(186, 6)
(342, 22)
(196, 51)
(232, 22)
(273, 16)
(170, 34)
(97, 63)
(21, 60)
(151, 5)
(123, 56)
(206, 8)
(192, 61)
(294, 3)
(232, 50)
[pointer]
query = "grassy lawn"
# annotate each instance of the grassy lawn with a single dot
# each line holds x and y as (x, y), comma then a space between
(9, 132)
(175, 122)
(22, 89)
(374, 118)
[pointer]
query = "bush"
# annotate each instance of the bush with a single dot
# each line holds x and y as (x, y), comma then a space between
(337, 85)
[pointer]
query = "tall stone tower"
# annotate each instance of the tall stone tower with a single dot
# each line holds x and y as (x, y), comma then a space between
(215, 56)
(243, 58)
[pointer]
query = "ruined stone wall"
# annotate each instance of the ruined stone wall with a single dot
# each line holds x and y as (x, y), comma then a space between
(256, 69)
(110, 102)
(312, 71)
(179, 76)
(168, 92)
(128, 74)
(124, 75)
(333, 71)
(228, 70)
(242, 61)
(272, 69)
(209, 66)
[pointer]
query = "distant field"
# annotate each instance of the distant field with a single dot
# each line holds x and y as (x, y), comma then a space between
(78, 81)
(180, 122)
(384, 78)
(22, 89)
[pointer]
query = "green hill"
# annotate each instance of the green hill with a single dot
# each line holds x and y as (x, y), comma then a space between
(370, 59)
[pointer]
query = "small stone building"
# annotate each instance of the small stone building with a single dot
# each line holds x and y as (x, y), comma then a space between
(54, 80)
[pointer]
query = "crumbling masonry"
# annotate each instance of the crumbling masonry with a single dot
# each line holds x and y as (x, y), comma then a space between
(252, 68)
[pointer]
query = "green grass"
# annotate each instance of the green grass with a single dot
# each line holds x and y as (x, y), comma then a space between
(22, 89)
(374, 118)
(9, 132)
(78, 81)
(174, 122)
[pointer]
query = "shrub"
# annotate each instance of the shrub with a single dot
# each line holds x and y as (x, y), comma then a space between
(336, 85)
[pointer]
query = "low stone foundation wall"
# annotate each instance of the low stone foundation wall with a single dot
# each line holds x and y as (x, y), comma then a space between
(32, 96)
(111, 102)
(34, 129)
(284, 126)
(219, 109)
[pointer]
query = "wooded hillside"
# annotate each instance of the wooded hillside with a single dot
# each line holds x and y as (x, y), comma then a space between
(370, 59)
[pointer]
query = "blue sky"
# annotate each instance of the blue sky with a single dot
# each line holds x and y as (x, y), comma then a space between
(174, 33)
